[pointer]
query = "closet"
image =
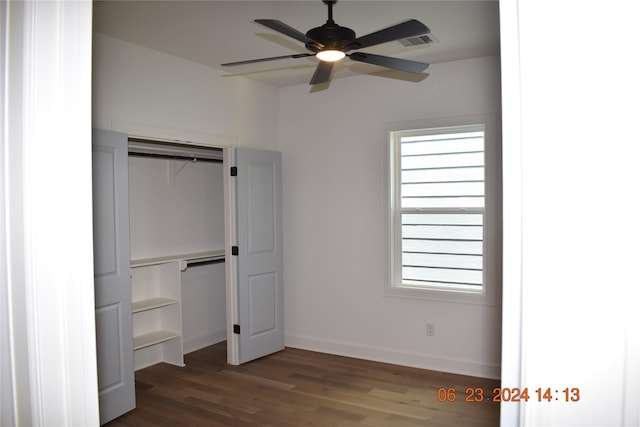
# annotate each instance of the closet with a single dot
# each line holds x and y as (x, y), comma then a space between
(187, 252)
(176, 223)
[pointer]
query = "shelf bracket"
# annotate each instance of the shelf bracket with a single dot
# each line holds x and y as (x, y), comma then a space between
(174, 167)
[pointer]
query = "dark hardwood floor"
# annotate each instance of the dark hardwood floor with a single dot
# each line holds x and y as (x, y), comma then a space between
(302, 388)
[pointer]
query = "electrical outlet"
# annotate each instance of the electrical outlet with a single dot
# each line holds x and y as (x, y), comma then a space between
(431, 329)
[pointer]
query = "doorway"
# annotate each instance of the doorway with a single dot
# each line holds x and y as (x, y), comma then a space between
(140, 299)
(176, 210)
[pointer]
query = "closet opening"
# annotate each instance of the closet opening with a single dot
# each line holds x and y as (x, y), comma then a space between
(186, 250)
(177, 241)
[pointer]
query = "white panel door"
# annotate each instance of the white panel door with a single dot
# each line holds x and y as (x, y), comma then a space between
(114, 333)
(259, 259)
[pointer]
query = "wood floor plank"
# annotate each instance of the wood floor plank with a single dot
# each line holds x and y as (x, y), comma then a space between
(294, 388)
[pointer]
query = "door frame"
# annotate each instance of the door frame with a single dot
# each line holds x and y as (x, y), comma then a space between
(231, 262)
(85, 374)
(198, 139)
(48, 360)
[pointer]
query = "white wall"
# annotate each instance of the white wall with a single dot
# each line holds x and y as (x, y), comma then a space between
(204, 312)
(333, 171)
(179, 216)
(162, 96)
(140, 87)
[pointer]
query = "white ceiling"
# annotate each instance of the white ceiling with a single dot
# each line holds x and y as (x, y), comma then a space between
(215, 32)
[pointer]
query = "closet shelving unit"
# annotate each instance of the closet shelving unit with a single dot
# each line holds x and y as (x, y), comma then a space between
(156, 292)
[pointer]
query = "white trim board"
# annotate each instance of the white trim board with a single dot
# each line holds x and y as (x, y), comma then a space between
(384, 355)
(184, 136)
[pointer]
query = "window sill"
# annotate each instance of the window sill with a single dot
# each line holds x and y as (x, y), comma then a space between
(452, 296)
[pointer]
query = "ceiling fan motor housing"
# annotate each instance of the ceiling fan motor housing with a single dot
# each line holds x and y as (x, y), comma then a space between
(330, 36)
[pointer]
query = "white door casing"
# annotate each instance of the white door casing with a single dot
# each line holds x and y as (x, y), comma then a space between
(114, 333)
(259, 285)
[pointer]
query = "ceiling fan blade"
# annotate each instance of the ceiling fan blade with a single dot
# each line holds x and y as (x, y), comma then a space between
(251, 61)
(283, 28)
(322, 73)
(403, 30)
(386, 61)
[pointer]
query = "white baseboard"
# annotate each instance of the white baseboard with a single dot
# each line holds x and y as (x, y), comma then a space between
(422, 361)
(196, 343)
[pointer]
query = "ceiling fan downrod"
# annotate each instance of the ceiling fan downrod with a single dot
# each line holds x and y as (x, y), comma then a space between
(330, 4)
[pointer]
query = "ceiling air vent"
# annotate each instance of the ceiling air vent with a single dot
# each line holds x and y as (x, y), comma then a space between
(419, 40)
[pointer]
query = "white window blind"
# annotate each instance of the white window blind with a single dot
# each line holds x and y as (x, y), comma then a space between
(439, 198)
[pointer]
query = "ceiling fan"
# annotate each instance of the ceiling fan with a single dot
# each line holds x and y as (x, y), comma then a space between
(332, 42)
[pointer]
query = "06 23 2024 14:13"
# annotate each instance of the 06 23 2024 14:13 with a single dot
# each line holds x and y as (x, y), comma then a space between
(509, 394)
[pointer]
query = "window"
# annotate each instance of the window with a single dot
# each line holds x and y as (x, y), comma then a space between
(438, 225)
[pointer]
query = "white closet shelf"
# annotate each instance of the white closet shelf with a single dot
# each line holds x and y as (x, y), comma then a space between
(183, 258)
(153, 338)
(156, 290)
(152, 303)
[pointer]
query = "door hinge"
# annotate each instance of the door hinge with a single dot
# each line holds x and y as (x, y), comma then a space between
(234, 171)
(236, 329)
(234, 250)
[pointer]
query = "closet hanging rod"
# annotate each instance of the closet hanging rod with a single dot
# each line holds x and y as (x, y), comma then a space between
(173, 150)
(205, 262)
(175, 157)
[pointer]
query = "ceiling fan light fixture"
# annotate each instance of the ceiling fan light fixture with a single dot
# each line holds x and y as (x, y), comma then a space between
(330, 55)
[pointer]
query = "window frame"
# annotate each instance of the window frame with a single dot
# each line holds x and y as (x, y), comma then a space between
(492, 212)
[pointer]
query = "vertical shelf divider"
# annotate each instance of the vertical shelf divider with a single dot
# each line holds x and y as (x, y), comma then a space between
(156, 295)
